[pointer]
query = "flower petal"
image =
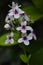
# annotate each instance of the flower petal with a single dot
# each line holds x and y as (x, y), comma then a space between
(23, 23)
(30, 36)
(7, 41)
(11, 41)
(34, 36)
(16, 16)
(11, 10)
(26, 42)
(20, 11)
(13, 4)
(27, 18)
(7, 26)
(12, 34)
(7, 19)
(20, 40)
(11, 13)
(23, 31)
(18, 28)
(29, 28)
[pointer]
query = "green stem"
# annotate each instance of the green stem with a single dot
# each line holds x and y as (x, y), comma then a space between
(23, 47)
(24, 52)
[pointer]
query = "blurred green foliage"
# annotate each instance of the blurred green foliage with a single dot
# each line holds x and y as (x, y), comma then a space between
(38, 4)
(33, 13)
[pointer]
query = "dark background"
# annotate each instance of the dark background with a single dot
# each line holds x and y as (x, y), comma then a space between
(10, 55)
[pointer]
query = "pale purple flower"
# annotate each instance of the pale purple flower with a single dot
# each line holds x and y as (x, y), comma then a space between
(25, 39)
(23, 28)
(14, 5)
(15, 11)
(9, 18)
(33, 35)
(10, 38)
(24, 16)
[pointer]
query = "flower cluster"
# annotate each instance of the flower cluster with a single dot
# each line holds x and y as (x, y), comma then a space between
(16, 13)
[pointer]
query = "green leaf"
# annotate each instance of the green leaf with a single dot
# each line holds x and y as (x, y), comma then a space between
(25, 58)
(3, 38)
(33, 13)
(37, 57)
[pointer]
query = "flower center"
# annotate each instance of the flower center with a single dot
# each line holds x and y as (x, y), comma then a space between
(25, 38)
(23, 27)
(16, 12)
(23, 14)
(8, 18)
(10, 37)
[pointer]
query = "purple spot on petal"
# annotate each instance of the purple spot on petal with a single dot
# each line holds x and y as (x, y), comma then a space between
(23, 27)
(25, 38)
(15, 12)
(8, 18)
(10, 37)
(23, 14)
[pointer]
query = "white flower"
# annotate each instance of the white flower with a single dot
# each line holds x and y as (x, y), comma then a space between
(25, 40)
(24, 28)
(14, 5)
(9, 19)
(24, 16)
(15, 11)
(33, 35)
(24, 23)
(10, 38)
(7, 26)
(27, 18)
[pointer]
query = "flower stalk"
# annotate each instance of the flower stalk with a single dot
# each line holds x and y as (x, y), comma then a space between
(16, 13)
